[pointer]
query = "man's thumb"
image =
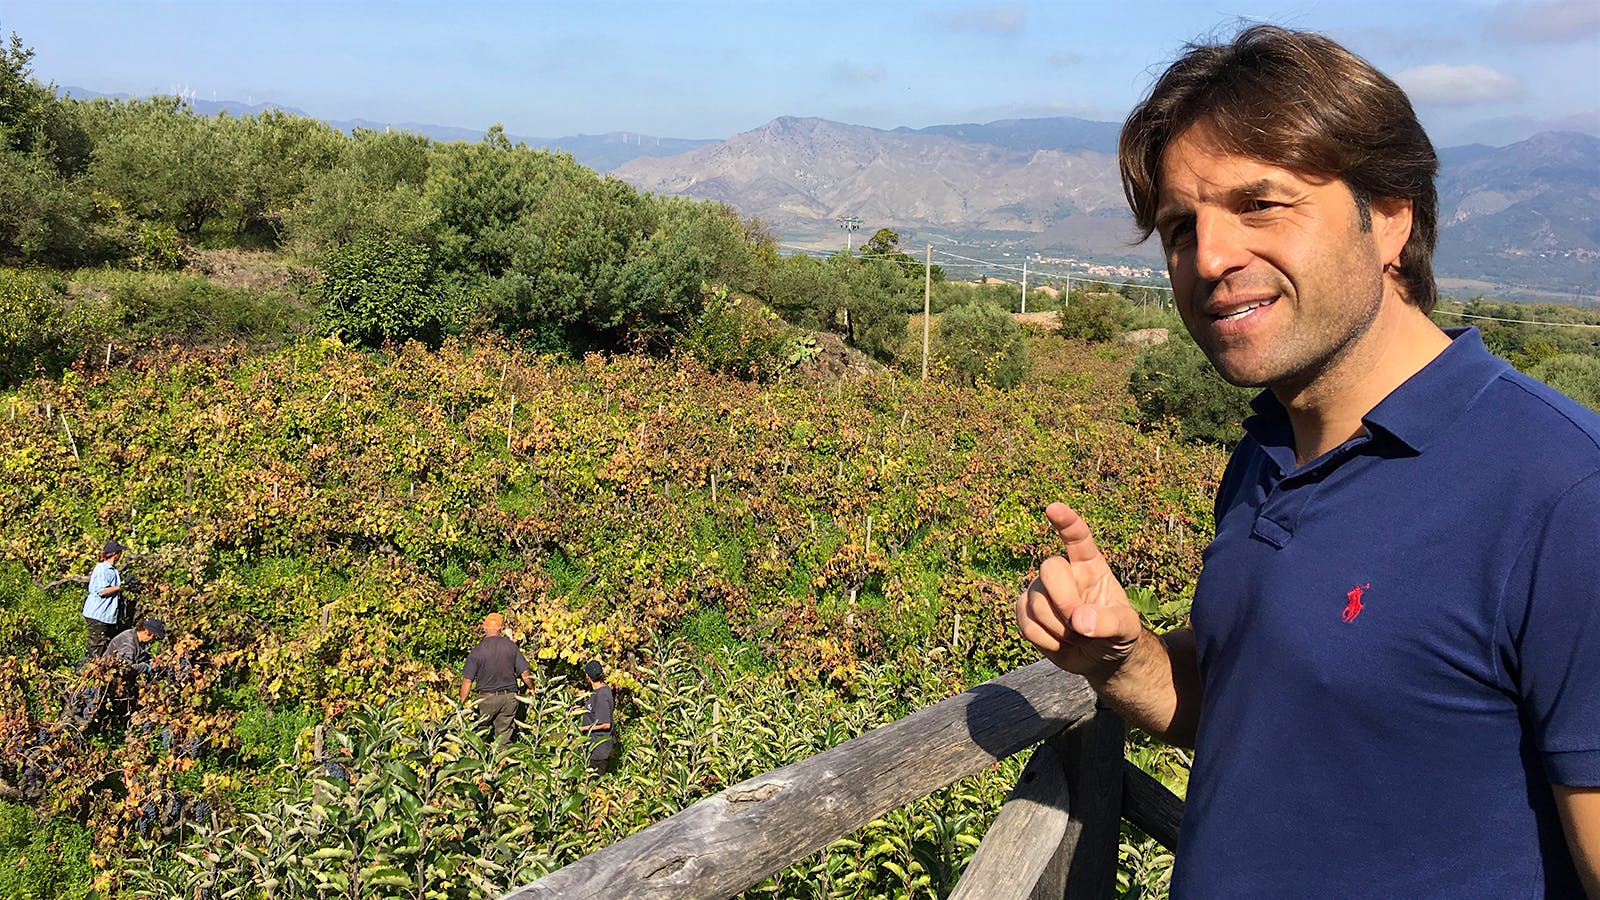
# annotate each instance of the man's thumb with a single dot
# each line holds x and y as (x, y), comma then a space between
(1085, 619)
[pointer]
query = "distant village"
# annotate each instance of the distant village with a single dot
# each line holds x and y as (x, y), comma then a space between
(1098, 270)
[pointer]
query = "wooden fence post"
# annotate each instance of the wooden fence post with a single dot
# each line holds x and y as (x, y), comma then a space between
(1056, 837)
(1087, 861)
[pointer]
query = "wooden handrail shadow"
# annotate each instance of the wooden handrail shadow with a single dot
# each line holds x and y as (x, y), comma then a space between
(1056, 836)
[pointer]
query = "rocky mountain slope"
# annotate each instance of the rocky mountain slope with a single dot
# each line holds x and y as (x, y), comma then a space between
(1521, 215)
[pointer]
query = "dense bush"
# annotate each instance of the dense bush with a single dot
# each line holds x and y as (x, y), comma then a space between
(979, 343)
(1093, 317)
(381, 289)
(738, 336)
(42, 334)
(1174, 381)
(1576, 376)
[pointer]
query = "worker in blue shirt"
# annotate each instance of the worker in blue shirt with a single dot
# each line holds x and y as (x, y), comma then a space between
(102, 607)
(1391, 676)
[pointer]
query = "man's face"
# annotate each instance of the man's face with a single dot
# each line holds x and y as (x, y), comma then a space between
(1273, 273)
(144, 637)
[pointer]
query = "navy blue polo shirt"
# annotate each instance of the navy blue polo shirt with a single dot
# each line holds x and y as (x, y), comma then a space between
(1399, 645)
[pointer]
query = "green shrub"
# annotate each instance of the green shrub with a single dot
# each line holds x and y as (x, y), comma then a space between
(1093, 317)
(1575, 375)
(269, 736)
(42, 859)
(981, 343)
(379, 289)
(1175, 381)
(146, 306)
(156, 247)
(745, 339)
(40, 336)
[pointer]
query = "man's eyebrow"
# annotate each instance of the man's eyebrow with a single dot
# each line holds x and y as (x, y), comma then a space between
(1260, 188)
(1172, 215)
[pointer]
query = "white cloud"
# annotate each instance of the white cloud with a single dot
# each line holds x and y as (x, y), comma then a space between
(1458, 85)
(992, 19)
(1546, 22)
(1063, 58)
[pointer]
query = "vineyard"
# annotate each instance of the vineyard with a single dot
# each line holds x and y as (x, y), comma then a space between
(767, 570)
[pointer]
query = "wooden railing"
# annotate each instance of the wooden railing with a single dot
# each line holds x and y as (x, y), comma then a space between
(1056, 836)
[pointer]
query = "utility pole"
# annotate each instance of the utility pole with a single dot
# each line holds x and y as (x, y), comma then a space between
(1024, 284)
(1066, 295)
(927, 307)
(850, 224)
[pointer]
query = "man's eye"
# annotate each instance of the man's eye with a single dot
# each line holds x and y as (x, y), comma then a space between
(1178, 234)
(1256, 204)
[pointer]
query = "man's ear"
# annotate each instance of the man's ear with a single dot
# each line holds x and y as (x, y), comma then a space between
(1391, 228)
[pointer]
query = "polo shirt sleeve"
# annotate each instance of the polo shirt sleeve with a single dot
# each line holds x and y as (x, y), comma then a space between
(469, 671)
(1557, 638)
(520, 662)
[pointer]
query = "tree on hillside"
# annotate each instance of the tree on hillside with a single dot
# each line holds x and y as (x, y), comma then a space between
(567, 259)
(1093, 317)
(279, 156)
(373, 186)
(1174, 381)
(1572, 374)
(161, 162)
(885, 244)
(44, 215)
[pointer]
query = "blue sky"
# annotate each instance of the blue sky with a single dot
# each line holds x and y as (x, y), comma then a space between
(1478, 70)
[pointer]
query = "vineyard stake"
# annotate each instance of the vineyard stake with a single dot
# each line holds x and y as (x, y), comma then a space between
(70, 439)
(713, 489)
(869, 535)
(509, 419)
(108, 354)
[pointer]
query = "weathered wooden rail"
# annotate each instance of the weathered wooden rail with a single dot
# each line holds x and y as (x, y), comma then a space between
(1055, 837)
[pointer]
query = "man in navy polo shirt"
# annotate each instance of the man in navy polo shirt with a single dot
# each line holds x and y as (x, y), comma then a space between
(1392, 680)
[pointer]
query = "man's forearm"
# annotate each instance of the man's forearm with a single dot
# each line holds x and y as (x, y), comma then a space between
(1157, 689)
(1580, 817)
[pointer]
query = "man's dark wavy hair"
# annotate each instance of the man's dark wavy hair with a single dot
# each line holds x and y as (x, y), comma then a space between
(1301, 101)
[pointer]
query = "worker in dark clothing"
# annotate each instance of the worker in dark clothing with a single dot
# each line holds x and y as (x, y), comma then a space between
(597, 716)
(494, 665)
(133, 646)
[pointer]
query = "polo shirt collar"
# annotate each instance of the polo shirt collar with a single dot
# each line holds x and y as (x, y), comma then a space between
(1415, 413)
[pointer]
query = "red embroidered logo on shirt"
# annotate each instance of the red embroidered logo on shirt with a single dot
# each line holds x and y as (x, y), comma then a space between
(1353, 607)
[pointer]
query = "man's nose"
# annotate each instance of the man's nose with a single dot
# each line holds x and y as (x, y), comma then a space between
(1219, 245)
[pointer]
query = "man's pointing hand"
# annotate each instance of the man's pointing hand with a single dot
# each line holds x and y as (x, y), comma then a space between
(1075, 612)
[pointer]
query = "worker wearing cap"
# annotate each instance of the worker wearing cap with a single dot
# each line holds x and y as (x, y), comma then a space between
(103, 604)
(133, 646)
(597, 716)
(494, 665)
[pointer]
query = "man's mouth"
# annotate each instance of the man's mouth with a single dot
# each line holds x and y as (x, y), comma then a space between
(1241, 311)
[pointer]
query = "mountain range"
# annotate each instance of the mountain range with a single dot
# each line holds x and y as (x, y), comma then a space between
(1516, 221)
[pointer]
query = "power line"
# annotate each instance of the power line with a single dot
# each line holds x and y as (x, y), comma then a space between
(1451, 312)
(969, 262)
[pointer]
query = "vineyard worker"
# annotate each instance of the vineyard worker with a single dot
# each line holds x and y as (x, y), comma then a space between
(103, 604)
(133, 646)
(1392, 678)
(494, 665)
(598, 713)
